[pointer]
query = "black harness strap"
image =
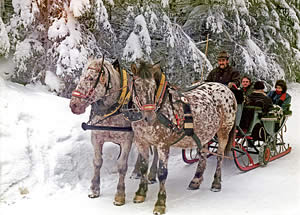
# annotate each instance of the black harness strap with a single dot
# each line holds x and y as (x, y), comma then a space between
(188, 128)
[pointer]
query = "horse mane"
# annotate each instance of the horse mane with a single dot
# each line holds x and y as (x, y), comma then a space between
(147, 71)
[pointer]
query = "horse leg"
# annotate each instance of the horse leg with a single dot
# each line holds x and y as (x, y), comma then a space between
(153, 168)
(222, 137)
(137, 167)
(140, 194)
(98, 147)
(198, 177)
(122, 169)
(160, 205)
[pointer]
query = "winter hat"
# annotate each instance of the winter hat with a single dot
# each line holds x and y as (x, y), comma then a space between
(259, 85)
(223, 55)
(282, 84)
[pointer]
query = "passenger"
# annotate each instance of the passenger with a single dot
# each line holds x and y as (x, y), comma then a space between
(246, 86)
(256, 98)
(225, 74)
(259, 98)
(280, 96)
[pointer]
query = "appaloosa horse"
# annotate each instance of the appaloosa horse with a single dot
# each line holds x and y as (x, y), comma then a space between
(106, 89)
(181, 119)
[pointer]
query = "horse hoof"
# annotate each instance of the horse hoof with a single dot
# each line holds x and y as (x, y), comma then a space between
(215, 189)
(119, 200)
(193, 186)
(93, 195)
(139, 199)
(158, 210)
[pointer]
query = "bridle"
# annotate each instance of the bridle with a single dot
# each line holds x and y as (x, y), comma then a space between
(158, 97)
(91, 92)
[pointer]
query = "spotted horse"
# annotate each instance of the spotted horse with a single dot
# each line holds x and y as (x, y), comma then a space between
(106, 89)
(181, 119)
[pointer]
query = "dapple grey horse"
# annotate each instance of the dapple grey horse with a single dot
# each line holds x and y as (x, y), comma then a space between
(101, 86)
(186, 120)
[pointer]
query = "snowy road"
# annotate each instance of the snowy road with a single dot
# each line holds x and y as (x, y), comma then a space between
(46, 166)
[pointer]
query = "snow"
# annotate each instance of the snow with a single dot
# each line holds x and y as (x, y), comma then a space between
(46, 167)
(138, 41)
(52, 81)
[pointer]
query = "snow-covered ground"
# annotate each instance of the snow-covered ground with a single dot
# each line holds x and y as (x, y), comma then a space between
(46, 167)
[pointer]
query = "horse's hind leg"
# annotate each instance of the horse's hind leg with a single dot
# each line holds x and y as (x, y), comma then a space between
(153, 169)
(122, 168)
(222, 138)
(98, 146)
(136, 173)
(198, 177)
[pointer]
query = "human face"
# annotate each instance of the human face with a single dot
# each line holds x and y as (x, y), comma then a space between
(223, 62)
(278, 88)
(245, 82)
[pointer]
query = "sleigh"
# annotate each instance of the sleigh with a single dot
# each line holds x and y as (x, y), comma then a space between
(256, 145)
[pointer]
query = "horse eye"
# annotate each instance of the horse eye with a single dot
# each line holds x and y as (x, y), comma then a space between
(91, 78)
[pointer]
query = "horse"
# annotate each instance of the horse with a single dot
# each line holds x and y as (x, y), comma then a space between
(181, 119)
(105, 88)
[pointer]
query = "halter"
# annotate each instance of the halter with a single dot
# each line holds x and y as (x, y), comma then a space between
(158, 97)
(90, 94)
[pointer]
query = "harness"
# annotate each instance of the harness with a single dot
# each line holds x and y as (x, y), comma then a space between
(114, 109)
(188, 121)
(160, 97)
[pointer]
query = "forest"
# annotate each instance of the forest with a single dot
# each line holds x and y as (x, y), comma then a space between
(50, 42)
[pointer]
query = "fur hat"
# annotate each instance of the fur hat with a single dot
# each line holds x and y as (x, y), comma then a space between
(259, 85)
(282, 84)
(223, 55)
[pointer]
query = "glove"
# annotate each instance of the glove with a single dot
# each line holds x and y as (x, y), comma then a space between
(232, 85)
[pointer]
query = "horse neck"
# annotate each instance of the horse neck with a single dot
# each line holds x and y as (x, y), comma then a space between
(115, 90)
(166, 106)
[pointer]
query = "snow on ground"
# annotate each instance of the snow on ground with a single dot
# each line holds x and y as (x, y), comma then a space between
(46, 167)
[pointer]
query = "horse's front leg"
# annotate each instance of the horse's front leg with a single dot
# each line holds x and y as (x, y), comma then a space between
(198, 177)
(160, 205)
(141, 193)
(122, 169)
(97, 161)
(153, 169)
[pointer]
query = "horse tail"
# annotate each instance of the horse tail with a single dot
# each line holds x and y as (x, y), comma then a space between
(231, 138)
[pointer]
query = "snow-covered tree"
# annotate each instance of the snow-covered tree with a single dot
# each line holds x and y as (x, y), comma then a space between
(4, 40)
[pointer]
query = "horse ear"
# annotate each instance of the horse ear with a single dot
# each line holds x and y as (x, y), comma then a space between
(134, 69)
(116, 65)
(157, 71)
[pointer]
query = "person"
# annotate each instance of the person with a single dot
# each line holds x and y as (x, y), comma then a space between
(246, 86)
(224, 73)
(279, 96)
(257, 98)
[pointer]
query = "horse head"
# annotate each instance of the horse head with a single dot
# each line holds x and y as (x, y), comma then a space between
(93, 85)
(146, 84)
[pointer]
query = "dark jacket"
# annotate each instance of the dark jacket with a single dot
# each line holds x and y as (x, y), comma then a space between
(260, 100)
(224, 76)
(276, 99)
(255, 99)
